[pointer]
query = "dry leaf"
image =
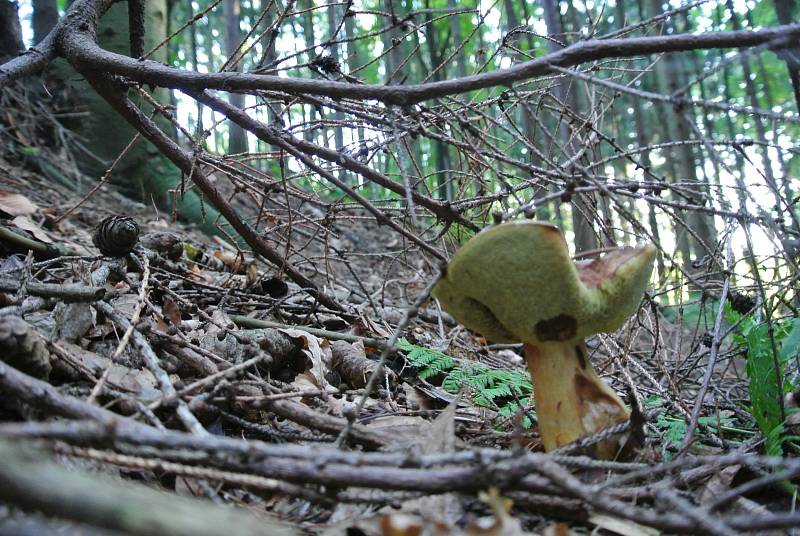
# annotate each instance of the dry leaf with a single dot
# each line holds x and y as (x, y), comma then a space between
(401, 525)
(171, 311)
(436, 437)
(718, 484)
(200, 275)
(125, 304)
(26, 224)
(235, 262)
(318, 362)
(138, 381)
(15, 204)
(73, 320)
(623, 527)
(557, 529)
(351, 363)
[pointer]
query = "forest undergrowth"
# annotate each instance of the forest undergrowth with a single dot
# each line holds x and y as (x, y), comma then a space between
(244, 386)
(160, 379)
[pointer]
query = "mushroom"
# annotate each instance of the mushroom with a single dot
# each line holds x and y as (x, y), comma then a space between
(515, 282)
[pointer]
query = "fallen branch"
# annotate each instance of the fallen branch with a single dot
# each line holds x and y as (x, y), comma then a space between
(68, 293)
(30, 483)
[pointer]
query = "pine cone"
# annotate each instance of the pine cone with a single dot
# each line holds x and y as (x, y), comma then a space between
(116, 236)
(22, 348)
(741, 303)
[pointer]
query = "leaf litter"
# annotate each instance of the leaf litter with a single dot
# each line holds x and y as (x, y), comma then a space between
(445, 443)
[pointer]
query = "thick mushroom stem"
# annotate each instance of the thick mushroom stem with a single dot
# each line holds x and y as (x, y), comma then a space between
(571, 399)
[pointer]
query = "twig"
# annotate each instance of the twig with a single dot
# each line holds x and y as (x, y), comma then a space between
(123, 343)
(390, 348)
(75, 292)
(248, 322)
(712, 354)
(39, 248)
(151, 360)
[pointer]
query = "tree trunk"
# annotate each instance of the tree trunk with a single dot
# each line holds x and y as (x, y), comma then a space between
(45, 17)
(143, 173)
(352, 65)
(441, 150)
(338, 117)
(309, 112)
(758, 122)
(193, 56)
(232, 11)
(456, 38)
(784, 10)
(582, 209)
(10, 30)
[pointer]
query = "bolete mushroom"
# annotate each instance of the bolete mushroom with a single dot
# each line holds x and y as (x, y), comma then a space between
(515, 282)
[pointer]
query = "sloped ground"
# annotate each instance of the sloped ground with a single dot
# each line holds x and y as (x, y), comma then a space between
(191, 370)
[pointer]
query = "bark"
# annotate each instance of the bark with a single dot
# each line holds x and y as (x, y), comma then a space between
(352, 65)
(237, 138)
(143, 173)
(583, 210)
(308, 36)
(193, 56)
(444, 186)
(667, 133)
(10, 30)
(758, 122)
(704, 237)
(333, 48)
(456, 38)
(785, 9)
(45, 17)
(32, 482)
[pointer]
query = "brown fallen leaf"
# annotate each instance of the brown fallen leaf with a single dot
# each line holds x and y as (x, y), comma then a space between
(318, 363)
(171, 311)
(623, 527)
(15, 204)
(351, 363)
(26, 224)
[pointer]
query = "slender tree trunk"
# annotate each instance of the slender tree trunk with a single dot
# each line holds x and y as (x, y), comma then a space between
(582, 209)
(333, 48)
(45, 17)
(704, 237)
(193, 53)
(643, 140)
(237, 138)
(10, 30)
(310, 112)
(352, 65)
(143, 173)
(758, 122)
(787, 12)
(455, 38)
(441, 150)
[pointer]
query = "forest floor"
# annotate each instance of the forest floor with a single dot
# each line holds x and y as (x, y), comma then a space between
(190, 370)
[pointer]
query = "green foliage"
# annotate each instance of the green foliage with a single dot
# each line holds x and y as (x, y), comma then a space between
(487, 387)
(430, 362)
(674, 428)
(767, 385)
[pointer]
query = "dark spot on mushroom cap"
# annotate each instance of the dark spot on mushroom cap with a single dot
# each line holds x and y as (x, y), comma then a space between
(558, 328)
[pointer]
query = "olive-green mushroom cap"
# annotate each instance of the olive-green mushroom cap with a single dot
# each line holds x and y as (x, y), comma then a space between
(516, 282)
